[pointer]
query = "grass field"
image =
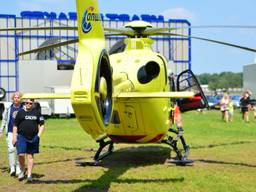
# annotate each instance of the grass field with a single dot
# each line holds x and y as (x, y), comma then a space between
(223, 153)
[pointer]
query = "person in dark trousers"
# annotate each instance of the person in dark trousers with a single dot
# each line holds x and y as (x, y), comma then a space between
(7, 124)
(27, 130)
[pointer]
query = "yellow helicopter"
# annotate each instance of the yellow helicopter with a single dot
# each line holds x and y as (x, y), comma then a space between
(125, 96)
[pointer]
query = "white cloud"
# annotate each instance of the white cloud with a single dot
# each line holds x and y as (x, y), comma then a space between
(179, 13)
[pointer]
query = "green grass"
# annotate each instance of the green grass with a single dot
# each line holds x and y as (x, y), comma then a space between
(223, 153)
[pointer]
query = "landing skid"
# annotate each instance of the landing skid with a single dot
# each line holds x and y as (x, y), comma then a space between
(98, 156)
(182, 154)
(180, 159)
(183, 162)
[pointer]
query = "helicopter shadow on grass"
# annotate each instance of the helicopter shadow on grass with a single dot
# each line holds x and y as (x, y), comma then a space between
(127, 158)
(118, 163)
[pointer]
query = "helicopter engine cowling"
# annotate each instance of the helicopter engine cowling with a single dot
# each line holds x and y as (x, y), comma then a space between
(148, 72)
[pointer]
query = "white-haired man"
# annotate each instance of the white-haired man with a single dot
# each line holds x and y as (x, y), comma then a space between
(7, 124)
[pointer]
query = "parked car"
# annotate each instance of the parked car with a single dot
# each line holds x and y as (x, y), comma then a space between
(218, 99)
(236, 100)
(212, 101)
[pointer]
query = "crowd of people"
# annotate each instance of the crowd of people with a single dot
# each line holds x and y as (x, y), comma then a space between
(227, 107)
(23, 124)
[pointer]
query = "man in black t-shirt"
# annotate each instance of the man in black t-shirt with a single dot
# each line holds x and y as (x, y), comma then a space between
(29, 125)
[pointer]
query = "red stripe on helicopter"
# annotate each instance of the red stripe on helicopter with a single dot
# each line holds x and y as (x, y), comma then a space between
(156, 139)
(125, 138)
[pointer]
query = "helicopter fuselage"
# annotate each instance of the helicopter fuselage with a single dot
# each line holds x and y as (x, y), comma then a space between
(139, 120)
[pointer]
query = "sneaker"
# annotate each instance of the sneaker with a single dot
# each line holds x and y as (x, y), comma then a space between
(12, 172)
(29, 179)
(21, 175)
(18, 171)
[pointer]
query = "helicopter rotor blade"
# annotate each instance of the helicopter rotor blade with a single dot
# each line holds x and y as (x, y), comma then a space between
(209, 40)
(44, 48)
(154, 31)
(218, 27)
(129, 32)
(39, 28)
(159, 30)
(114, 34)
(126, 32)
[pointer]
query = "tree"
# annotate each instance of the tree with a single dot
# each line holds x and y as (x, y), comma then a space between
(223, 80)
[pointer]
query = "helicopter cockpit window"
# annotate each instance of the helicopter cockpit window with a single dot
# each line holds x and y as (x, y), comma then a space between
(118, 47)
(148, 72)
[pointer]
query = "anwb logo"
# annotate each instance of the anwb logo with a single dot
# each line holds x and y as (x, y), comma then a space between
(86, 26)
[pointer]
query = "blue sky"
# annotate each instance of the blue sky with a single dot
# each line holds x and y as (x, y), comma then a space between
(206, 57)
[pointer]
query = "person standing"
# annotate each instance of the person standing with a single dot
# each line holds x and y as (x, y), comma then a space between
(224, 107)
(29, 124)
(245, 105)
(9, 115)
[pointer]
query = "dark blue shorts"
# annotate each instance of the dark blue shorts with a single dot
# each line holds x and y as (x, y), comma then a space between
(24, 145)
(244, 109)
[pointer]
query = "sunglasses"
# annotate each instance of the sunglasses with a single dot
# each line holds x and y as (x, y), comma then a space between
(29, 103)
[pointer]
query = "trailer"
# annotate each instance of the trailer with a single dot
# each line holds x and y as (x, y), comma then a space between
(51, 107)
(45, 107)
(60, 107)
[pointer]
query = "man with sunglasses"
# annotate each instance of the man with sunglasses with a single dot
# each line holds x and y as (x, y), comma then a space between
(28, 125)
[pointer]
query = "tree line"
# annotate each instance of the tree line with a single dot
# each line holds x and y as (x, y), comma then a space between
(222, 80)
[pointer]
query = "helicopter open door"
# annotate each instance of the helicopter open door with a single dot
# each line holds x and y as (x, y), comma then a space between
(186, 81)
